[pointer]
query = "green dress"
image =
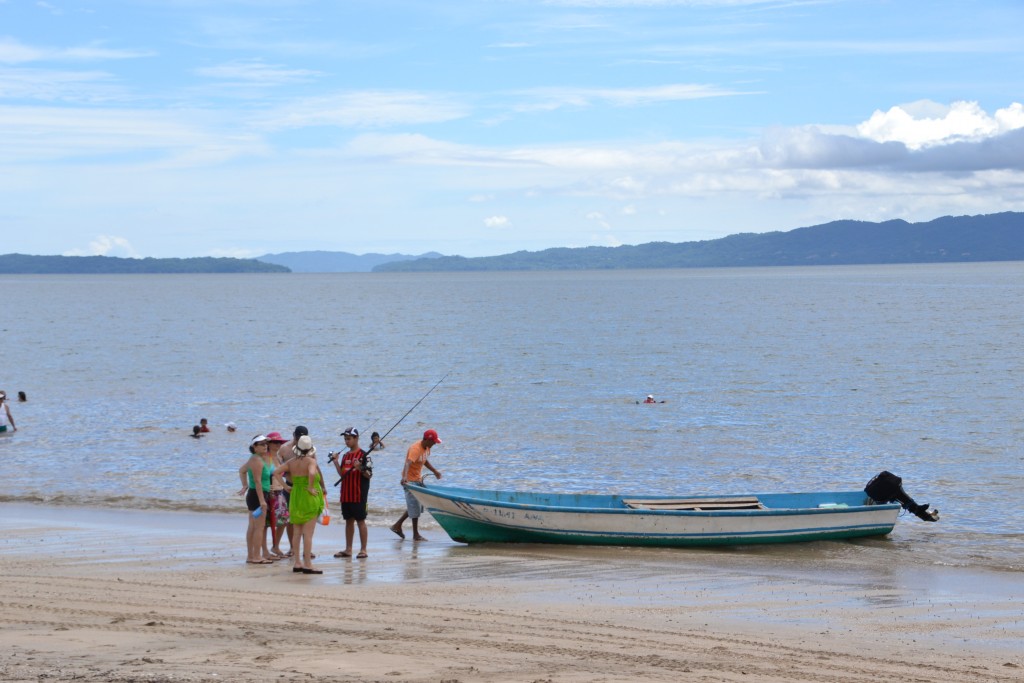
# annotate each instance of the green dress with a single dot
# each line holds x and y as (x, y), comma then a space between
(303, 506)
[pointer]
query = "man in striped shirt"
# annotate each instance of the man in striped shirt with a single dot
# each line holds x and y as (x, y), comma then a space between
(355, 489)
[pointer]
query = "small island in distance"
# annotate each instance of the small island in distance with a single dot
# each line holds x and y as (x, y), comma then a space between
(950, 239)
(24, 264)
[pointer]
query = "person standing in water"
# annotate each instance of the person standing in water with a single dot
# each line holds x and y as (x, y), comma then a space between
(416, 458)
(6, 419)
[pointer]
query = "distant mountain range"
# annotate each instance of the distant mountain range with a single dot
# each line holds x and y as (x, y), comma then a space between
(28, 264)
(993, 237)
(336, 261)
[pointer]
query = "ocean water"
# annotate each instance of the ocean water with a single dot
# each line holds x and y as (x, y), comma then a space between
(772, 379)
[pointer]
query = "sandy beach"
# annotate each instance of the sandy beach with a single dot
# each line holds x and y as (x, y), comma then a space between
(154, 596)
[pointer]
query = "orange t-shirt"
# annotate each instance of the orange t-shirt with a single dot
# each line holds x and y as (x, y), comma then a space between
(415, 457)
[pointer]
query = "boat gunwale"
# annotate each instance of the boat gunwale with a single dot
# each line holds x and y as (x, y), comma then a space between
(766, 512)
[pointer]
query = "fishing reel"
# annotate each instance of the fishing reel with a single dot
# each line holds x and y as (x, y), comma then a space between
(332, 456)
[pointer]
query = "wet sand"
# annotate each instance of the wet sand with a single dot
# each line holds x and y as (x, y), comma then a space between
(136, 596)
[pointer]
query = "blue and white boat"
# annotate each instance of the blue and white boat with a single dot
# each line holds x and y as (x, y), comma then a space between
(481, 516)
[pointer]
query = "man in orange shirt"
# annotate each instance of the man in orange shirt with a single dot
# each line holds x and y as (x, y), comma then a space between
(415, 459)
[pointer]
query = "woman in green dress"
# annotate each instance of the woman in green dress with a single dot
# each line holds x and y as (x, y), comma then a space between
(307, 501)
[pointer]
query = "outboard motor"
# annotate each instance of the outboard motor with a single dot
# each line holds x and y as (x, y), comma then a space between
(886, 487)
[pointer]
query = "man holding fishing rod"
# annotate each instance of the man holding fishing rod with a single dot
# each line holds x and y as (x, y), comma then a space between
(355, 470)
(412, 471)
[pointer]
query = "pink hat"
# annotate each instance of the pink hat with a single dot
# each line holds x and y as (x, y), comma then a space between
(275, 437)
(431, 435)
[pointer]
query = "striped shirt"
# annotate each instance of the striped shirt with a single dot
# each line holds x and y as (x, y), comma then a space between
(352, 488)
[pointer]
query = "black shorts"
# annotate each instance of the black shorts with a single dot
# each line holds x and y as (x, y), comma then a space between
(252, 500)
(356, 511)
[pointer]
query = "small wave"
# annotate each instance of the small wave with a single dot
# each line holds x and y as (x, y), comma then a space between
(120, 503)
(233, 506)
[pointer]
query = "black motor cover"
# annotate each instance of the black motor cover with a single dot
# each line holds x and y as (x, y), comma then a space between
(886, 487)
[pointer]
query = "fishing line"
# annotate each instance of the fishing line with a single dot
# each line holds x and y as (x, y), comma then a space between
(366, 453)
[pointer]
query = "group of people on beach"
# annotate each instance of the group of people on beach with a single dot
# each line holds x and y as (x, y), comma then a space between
(286, 494)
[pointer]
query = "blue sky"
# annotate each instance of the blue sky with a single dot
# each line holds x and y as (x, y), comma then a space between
(245, 127)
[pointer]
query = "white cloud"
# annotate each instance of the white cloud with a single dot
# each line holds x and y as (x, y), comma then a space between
(55, 11)
(599, 218)
(235, 252)
(631, 171)
(547, 99)
(670, 3)
(365, 109)
(106, 245)
(497, 222)
(1010, 118)
(921, 137)
(47, 133)
(605, 240)
(923, 124)
(415, 148)
(50, 86)
(15, 52)
(257, 72)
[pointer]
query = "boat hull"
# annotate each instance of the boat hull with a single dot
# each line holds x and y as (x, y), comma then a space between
(472, 516)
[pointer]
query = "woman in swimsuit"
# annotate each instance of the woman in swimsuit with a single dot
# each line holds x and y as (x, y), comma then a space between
(255, 476)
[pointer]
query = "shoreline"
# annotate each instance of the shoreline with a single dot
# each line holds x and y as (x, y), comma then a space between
(125, 595)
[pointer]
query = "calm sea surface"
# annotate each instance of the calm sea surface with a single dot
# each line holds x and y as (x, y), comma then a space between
(777, 379)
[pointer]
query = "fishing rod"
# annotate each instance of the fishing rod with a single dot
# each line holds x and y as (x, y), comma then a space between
(367, 453)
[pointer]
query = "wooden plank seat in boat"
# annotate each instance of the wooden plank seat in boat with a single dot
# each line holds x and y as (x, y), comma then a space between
(696, 504)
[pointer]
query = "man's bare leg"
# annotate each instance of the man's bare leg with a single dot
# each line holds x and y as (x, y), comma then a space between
(362, 537)
(397, 526)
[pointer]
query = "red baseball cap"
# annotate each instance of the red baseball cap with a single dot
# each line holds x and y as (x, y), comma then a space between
(431, 435)
(276, 437)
